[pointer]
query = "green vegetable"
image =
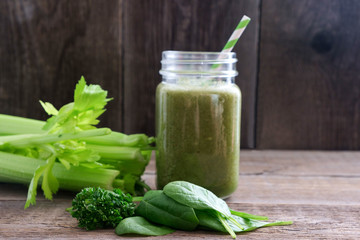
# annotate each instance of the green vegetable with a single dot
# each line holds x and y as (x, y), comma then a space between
(208, 221)
(200, 198)
(120, 139)
(213, 212)
(12, 125)
(247, 215)
(28, 140)
(82, 114)
(50, 147)
(139, 225)
(99, 208)
(125, 159)
(195, 196)
(20, 169)
(159, 208)
(70, 137)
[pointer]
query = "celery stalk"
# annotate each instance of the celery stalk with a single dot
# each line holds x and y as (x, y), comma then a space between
(20, 169)
(34, 139)
(133, 166)
(114, 152)
(11, 125)
(124, 159)
(120, 139)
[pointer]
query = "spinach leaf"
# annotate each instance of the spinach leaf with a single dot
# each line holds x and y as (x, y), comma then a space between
(159, 208)
(248, 215)
(139, 225)
(195, 196)
(208, 220)
(200, 198)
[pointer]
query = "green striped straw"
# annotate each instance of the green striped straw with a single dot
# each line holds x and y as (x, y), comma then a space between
(234, 37)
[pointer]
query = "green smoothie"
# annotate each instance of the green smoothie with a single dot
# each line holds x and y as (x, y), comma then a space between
(198, 135)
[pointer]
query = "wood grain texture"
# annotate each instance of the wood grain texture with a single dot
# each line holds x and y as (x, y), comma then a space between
(309, 82)
(50, 220)
(152, 26)
(282, 176)
(317, 190)
(46, 46)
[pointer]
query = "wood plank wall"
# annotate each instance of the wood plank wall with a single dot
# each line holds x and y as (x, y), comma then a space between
(45, 47)
(298, 61)
(309, 75)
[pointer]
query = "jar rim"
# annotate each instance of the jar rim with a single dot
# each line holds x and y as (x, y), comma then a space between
(198, 63)
(198, 52)
(197, 55)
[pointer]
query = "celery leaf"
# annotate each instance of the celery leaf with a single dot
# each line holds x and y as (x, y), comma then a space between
(32, 191)
(49, 108)
(82, 114)
(49, 184)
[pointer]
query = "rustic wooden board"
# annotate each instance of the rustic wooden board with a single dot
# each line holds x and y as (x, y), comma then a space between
(319, 191)
(309, 82)
(152, 26)
(46, 46)
(279, 177)
(50, 220)
(303, 163)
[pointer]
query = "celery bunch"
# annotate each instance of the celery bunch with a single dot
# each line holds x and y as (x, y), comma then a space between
(44, 153)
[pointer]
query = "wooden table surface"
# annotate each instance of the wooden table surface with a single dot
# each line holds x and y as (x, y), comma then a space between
(319, 191)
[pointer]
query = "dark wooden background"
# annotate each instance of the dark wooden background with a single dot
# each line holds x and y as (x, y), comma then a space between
(299, 61)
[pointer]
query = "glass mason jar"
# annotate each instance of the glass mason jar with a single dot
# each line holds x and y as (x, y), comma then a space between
(198, 120)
